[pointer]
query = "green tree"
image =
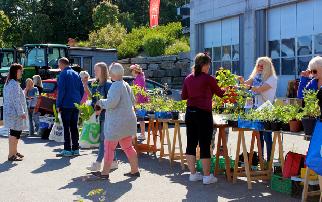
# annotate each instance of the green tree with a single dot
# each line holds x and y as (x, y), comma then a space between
(105, 13)
(4, 24)
(110, 36)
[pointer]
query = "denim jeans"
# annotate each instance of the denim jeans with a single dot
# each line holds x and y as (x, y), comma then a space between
(70, 120)
(33, 121)
(100, 155)
(267, 137)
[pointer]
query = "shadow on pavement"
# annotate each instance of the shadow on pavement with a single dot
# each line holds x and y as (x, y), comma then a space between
(53, 164)
(6, 166)
(113, 190)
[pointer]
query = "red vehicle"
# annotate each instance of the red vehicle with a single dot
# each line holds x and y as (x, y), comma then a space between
(50, 87)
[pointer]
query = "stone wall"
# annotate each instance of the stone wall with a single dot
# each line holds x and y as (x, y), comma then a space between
(163, 69)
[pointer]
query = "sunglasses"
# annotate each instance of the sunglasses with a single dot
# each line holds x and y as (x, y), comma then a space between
(314, 71)
(260, 65)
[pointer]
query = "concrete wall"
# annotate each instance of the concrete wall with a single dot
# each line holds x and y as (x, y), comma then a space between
(163, 69)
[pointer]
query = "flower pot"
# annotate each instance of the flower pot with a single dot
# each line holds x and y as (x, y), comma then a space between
(295, 126)
(232, 123)
(175, 115)
(276, 126)
(285, 127)
(308, 125)
(267, 125)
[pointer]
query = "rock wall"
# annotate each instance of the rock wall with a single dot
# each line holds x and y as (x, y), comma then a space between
(163, 69)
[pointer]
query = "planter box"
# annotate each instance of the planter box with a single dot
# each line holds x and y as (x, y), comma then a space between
(244, 123)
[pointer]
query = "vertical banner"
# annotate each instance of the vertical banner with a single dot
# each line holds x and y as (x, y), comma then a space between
(154, 13)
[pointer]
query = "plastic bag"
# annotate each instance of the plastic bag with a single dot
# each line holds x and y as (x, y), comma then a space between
(57, 132)
(265, 105)
(90, 137)
(314, 154)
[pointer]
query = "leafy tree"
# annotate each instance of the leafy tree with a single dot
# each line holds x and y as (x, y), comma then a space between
(105, 13)
(110, 36)
(4, 24)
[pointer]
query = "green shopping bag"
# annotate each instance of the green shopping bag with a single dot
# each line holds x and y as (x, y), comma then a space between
(90, 136)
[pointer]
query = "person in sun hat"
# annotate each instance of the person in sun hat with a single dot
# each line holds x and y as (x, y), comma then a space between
(139, 80)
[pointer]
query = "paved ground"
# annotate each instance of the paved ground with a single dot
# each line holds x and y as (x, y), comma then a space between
(44, 177)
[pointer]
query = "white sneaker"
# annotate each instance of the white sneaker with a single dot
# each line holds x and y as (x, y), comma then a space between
(96, 166)
(195, 177)
(114, 165)
(209, 179)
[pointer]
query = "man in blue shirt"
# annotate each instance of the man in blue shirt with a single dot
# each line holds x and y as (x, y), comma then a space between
(70, 91)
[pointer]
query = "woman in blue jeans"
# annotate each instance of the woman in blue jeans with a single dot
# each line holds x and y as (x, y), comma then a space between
(100, 88)
(263, 83)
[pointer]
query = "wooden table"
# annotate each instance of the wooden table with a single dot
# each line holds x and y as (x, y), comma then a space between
(177, 135)
(165, 133)
(262, 174)
(222, 142)
(307, 193)
(153, 130)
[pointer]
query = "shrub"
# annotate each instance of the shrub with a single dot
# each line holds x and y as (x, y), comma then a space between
(177, 47)
(172, 31)
(154, 44)
(110, 36)
(127, 50)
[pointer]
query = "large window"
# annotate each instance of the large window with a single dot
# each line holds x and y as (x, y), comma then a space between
(7, 59)
(222, 44)
(294, 36)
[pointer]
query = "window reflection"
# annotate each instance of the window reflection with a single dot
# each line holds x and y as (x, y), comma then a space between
(277, 65)
(226, 53)
(274, 49)
(217, 53)
(288, 47)
(303, 63)
(288, 66)
(235, 52)
(304, 45)
(318, 44)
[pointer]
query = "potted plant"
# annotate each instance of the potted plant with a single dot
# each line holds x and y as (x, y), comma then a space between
(277, 118)
(177, 108)
(311, 111)
(294, 117)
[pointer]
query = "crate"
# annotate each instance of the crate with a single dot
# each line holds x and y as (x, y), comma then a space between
(312, 176)
(280, 184)
(222, 164)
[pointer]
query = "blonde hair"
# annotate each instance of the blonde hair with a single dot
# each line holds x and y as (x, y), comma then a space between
(104, 72)
(316, 63)
(37, 81)
(268, 69)
(116, 69)
(84, 74)
(29, 84)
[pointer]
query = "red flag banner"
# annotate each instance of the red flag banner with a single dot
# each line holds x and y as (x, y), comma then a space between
(154, 12)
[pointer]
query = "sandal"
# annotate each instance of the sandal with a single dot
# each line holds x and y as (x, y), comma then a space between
(99, 175)
(14, 158)
(137, 174)
(19, 155)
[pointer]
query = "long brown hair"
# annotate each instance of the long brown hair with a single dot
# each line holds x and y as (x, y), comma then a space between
(201, 59)
(104, 72)
(13, 72)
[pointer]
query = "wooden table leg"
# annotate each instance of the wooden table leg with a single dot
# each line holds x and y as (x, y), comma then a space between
(306, 185)
(227, 159)
(180, 145)
(247, 166)
(174, 142)
(280, 149)
(150, 130)
(219, 139)
(168, 140)
(251, 151)
(270, 165)
(320, 182)
(237, 157)
(162, 141)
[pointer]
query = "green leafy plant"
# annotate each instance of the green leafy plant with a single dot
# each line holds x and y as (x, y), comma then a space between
(55, 114)
(154, 44)
(311, 108)
(177, 47)
(85, 111)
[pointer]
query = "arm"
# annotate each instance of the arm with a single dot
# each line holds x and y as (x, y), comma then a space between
(184, 93)
(86, 89)
(81, 87)
(215, 89)
(61, 90)
(17, 103)
(304, 84)
(262, 88)
(113, 98)
(242, 81)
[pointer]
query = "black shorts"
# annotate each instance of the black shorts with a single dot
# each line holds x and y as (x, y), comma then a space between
(15, 133)
(199, 131)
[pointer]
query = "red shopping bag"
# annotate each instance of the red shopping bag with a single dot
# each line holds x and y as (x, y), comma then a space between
(293, 164)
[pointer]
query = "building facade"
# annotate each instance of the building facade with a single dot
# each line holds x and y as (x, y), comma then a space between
(88, 57)
(236, 32)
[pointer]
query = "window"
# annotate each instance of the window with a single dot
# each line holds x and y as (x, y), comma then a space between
(87, 64)
(49, 87)
(36, 57)
(294, 36)
(53, 56)
(222, 44)
(7, 59)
